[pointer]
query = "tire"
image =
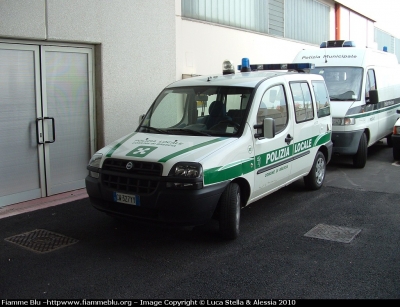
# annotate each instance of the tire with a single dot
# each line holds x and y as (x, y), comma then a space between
(315, 178)
(229, 215)
(389, 140)
(360, 158)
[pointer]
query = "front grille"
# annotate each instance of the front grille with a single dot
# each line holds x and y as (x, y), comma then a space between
(137, 180)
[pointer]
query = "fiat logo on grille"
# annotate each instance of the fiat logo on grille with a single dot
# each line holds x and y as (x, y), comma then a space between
(129, 165)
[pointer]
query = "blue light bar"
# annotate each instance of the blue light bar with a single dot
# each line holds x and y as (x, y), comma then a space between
(299, 67)
(245, 67)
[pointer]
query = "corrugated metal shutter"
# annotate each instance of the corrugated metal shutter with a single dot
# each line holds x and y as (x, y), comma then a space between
(276, 17)
(249, 14)
(307, 21)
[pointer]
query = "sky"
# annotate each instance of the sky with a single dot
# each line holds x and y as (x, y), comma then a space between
(386, 13)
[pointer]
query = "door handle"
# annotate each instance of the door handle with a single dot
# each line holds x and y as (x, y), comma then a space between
(53, 127)
(39, 135)
(288, 139)
(39, 132)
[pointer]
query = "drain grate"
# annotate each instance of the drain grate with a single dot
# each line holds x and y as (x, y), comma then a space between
(333, 233)
(41, 240)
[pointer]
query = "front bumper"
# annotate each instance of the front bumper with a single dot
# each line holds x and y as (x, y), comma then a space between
(164, 205)
(346, 143)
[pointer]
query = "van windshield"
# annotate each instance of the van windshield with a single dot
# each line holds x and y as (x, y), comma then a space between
(200, 111)
(343, 83)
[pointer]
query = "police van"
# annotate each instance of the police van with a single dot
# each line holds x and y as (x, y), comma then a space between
(364, 89)
(210, 145)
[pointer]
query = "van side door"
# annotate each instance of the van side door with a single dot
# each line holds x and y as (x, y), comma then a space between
(373, 118)
(272, 156)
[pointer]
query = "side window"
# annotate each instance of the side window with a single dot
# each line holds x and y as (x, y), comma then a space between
(274, 105)
(370, 83)
(302, 101)
(322, 98)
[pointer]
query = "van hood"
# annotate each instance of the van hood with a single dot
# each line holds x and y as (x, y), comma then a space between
(340, 108)
(164, 148)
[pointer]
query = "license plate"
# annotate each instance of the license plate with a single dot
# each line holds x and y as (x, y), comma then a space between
(127, 199)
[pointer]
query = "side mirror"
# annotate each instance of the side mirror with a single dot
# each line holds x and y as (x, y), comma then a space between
(373, 97)
(267, 129)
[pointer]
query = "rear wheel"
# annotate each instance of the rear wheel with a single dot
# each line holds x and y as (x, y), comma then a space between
(229, 215)
(360, 158)
(316, 176)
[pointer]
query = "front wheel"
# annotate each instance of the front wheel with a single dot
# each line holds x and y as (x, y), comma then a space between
(316, 176)
(229, 215)
(360, 158)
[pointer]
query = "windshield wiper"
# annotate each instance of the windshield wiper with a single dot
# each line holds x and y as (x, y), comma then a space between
(349, 95)
(341, 99)
(154, 129)
(194, 132)
(337, 99)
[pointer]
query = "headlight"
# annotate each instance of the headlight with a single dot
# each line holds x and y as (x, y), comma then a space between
(187, 175)
(396, 130)
(95, 163)
(343, 121)
(187, 170)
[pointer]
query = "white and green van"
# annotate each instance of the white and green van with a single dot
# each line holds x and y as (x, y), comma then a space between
(364, 89)
(210, 145)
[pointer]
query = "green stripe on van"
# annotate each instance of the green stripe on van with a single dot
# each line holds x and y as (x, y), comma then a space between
(373, 112)
(227, 172)
(323, 138)
(112, 150)
(239, 168)
(180, 152)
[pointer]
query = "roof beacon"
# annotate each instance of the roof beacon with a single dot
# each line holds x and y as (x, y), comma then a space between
(337, 43)
(245, 67)
(297, 67)
(228, 67)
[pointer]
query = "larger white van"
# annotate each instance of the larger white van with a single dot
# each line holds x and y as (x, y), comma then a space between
(364, 89)
(210, 145)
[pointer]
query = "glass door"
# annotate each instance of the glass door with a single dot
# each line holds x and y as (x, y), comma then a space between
(46, 125)
(21, 157)
(67, 102)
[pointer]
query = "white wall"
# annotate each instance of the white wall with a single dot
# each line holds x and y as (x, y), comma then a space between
(202, 47)
(135, 45)
(356, 27)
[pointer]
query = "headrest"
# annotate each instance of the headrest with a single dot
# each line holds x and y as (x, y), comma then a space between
(216, 108)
